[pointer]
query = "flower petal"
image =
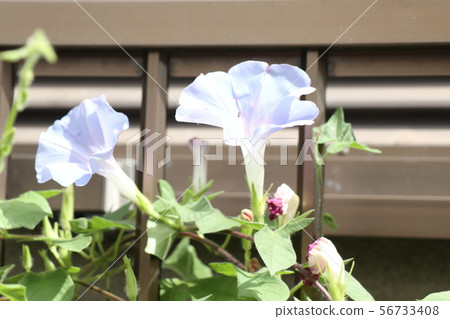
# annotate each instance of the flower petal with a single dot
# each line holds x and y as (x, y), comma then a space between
(209, 100)
(290, 112)
(260, 88)
(247, 79)
(95, 125)
(56, 159)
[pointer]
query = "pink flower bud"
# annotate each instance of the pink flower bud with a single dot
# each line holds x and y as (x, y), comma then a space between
(322, 254)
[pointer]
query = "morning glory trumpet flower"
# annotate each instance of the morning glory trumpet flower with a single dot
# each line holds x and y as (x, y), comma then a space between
(250, 102)
(81, 144)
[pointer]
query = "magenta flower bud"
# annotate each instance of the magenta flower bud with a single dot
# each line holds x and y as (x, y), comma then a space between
(275, 208)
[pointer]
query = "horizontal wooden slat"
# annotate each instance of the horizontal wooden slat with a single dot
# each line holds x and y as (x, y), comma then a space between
(193, 62)
(227, 23)
(92, 63)
(389, 92)
(48, 93)
(387, 175)
(402, 217)
(393, 62)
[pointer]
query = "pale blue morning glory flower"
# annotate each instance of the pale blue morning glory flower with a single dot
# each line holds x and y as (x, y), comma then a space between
(250, 102)
(81, 144)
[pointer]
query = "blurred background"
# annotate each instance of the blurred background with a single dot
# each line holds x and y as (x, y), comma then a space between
(393, 209)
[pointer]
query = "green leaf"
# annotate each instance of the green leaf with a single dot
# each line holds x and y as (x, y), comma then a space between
(356, 291)
(76, 244)
(195, 210)
(296, 224)
(131, 286)
(190, 195)
(27, 211)
(50, 193)
(214, 222)
(184, 262)
(261, 286)
(175, 289)
(48, 286)
(226, 269)
(14, 292)
(160, 237)
(252, 225)
(275, 249)
(166, 190)
(438, 296)
(4, 271)
(84, 225)
(121, 213)
(221, 288)
(329, 220)
(339, 133)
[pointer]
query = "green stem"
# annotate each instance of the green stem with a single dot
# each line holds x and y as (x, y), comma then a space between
(214, 246)
(109, 251)
(318, 192)
(21, 237)
(318, 212)
(247, 256)
(58, 258)
(146, 207)
(84, 255)
(67, 209)
(117, 243)
(226, 242)
(25, 80)
(296, 288)
(108, 273)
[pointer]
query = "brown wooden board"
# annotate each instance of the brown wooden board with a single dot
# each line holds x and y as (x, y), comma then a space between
(392, 62)
(155, 23)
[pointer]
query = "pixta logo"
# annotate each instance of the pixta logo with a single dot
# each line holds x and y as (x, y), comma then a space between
(145, 149)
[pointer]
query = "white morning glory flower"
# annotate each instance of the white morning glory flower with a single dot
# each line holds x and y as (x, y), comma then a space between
(250, 102)
(81, 144)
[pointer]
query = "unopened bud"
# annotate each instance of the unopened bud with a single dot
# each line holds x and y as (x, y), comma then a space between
(27, 260)
(247, 215)
(322, 254)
